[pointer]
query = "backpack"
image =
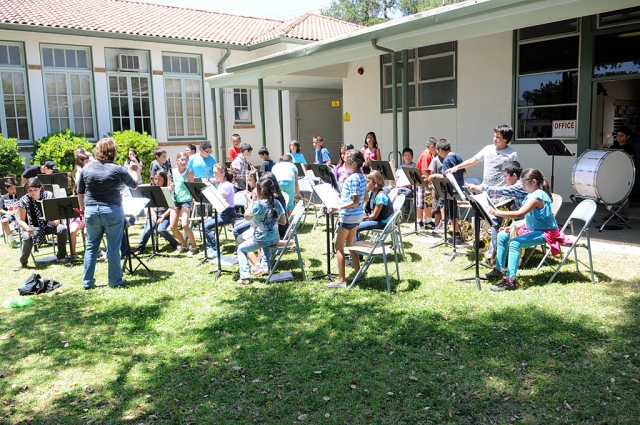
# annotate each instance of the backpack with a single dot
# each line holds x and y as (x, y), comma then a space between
(35, 285)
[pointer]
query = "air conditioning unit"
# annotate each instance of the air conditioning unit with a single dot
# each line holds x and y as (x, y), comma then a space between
(130, 63)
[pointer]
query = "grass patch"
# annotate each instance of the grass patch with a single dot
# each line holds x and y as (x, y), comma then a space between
(177, 347)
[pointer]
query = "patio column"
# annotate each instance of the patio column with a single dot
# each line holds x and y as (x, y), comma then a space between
(263, 130)
(405, 98)
(281, 122)
(214, 109)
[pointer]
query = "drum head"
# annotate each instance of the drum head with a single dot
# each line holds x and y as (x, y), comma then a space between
(615, 177)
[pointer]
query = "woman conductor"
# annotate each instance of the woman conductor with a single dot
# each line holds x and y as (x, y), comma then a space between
(99, 195)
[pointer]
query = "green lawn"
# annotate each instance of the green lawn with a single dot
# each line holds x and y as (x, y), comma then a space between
(177, 347)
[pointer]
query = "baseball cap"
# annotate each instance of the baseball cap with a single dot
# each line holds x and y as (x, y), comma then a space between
(245, 147)
(50, 165)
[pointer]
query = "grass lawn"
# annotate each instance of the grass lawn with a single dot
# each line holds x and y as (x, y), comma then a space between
(177, 347)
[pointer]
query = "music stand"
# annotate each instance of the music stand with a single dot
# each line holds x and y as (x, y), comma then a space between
(553, 148)
(60, 179)
(300, 168)
(479, 214)
(414, 176)
(132, 207)
(195, 189)
(324, 173)
(331, 200)
(242, 183)
(158, 198)
(62, 209)
(384, 168)
(446, 191)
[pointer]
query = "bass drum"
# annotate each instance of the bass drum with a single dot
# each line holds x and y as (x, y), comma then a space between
(603, 174)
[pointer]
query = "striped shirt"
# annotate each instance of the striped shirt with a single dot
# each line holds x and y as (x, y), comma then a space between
(354, 185)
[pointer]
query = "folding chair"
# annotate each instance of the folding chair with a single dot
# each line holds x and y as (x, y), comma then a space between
(583, 212)
(378, 249)
(289, 242)
(556, 204)
(309, 197)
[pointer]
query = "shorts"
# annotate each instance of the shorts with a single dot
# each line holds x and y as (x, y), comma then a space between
(421, 193)
(348, 226)
(10, 217)
(183, 204)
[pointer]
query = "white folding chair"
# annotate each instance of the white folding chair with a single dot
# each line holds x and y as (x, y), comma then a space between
(393, 193)
(378, 249)
(584, 212)
(289, 242)
(309, 197)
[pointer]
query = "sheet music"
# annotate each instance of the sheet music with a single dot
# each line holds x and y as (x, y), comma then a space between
(168, 197)
(328, 195)
(134, 206)
(215, 198)
(402, 179)
(456, 186)
(484, 200)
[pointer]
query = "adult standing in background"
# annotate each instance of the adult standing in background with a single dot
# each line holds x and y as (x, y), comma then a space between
(287, 176)
(99, 196)
(34, 170)
(234, 149)
(201, 165)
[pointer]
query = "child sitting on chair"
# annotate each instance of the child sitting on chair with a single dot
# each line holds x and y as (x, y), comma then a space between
(378, 209)
(540, 225)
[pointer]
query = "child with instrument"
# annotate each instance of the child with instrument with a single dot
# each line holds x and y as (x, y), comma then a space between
(224, 178)
(182, 211)
(159, 217)
(351, 211)
(423, 209)
(158, 164)
(539, 227)
(267, 213)
(451, 161)
(378, 209)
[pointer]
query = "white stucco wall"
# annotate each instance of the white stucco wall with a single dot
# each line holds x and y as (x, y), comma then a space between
(484, 100)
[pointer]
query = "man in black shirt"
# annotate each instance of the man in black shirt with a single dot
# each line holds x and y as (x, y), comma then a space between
(35, 170)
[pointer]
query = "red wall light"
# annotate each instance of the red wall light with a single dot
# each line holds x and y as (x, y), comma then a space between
(360, 70)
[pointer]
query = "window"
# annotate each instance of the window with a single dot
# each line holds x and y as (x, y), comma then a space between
(619, 17)
(242, 106)
(129, 92)
(183, 95)
(617, 54)
(547, 77)
(14, 112)
(432, 77)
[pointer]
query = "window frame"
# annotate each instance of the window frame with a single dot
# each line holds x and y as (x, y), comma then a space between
(182, 77)
(249, 119)
(22, 69)
(578, 33)
(144, 56)
(68, 72)
(417, 81)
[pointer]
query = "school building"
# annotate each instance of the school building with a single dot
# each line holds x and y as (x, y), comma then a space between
(462, 69)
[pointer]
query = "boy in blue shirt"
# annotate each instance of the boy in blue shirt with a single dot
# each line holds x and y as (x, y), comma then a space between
(322, 153)
(450, 165)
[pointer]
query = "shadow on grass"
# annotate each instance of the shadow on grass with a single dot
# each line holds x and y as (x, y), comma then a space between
(272, 354)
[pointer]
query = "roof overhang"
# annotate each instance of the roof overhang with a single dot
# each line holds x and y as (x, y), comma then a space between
(300, 66)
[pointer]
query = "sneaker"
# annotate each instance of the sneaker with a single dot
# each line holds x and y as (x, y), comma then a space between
(494, 275)
(261, 272)
(337, 285)
(458, 241)
(14, 244)
(193, 251)
(180, 249)
(508, 284)
(430, 226)
(439, 229)
(254, 269)
(243, 281)
(421, 224)
(102, 256)
(211, 253)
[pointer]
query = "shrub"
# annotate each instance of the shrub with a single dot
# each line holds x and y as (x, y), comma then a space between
(59, 147)
(141, 142)
(10, 160)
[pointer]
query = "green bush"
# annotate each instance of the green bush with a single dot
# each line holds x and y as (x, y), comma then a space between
(59, 147)
(10, 160)
(141, 142)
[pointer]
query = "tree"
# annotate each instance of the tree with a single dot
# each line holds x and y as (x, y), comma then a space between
(411, 7)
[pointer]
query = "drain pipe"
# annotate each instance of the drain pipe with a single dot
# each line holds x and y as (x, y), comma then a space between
(394, 96)
(223, 128)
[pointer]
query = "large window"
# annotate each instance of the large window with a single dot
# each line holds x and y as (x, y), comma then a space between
(183, 95)
(547, 91)
(432, 77)
(129, 90)
(242, 106)
(69, 89)
(14, 112)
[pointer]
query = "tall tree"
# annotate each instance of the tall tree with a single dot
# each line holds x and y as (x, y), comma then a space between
(361, 12)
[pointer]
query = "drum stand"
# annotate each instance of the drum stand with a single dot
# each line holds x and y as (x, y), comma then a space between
(612, 208)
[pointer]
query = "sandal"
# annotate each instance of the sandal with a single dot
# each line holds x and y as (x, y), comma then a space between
(243, 281)
(18, 268)
(260, 272)
(337, 285)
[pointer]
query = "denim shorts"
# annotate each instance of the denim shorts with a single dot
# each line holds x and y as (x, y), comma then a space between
(183, 204)
(348, 226)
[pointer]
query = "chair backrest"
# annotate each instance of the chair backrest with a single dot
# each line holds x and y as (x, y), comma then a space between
(472, 180)
(296, 217)
(305, 185)
(556, 203)
(584, 211)
(398, 203)
(393, 193)
(392, 225)
(239, 199)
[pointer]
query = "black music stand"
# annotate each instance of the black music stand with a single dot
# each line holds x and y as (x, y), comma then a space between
(242, 183)
(195, 189)
(157, 199)
(300, 168)
(331, 200)
(414, 176)
(479, 214)
(127, 262)
(62, 209)
(384, 168)
(446, 191)
(553, 148)
(60, 179)
(324, 173)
